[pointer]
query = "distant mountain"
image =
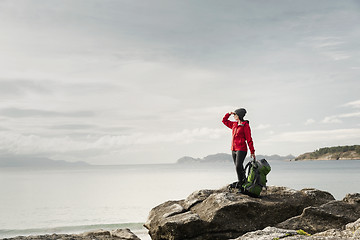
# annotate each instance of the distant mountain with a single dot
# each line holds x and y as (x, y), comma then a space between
(333, 153)
(37, 162)
(188, 159)
(225, 157)
(276, 157)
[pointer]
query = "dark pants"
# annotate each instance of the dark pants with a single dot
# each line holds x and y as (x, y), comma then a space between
(239, 157)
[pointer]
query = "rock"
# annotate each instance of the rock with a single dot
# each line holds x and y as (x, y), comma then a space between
(119, 234)
(221, 214)
(352, 198)
(331, 215)
(268, 233)
(355, 226)
(351, 232)
(124, 234)
(97, 233)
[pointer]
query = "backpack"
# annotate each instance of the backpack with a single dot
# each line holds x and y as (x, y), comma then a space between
(256, 180)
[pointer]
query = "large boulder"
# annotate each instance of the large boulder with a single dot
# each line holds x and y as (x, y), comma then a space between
(222, 214)
(351, 232)
(331, 215)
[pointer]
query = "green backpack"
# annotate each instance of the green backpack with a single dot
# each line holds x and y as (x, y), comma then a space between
(256, 180)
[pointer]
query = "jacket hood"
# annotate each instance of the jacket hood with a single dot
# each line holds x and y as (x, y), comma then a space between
(245, 122)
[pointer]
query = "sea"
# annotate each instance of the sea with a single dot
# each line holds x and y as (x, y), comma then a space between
(76, 200)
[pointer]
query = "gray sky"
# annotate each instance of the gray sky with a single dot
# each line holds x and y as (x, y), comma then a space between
(113, 81)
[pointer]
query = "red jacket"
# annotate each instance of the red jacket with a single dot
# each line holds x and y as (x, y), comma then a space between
(240, 134)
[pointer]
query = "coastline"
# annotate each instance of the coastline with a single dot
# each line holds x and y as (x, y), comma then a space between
(333, 153)
(100, 234)
(137, 228)
(325, 159)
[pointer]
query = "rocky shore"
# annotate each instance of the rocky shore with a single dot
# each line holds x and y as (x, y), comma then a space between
(332, 153)
(223, 214)
(119, 234)
(279, 213)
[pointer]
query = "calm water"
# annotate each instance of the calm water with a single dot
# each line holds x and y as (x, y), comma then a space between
(78, 200)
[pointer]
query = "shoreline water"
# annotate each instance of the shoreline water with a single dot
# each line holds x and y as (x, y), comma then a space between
(77, 200)
(325, 159)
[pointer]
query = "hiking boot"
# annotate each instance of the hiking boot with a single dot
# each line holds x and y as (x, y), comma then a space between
(233, 185)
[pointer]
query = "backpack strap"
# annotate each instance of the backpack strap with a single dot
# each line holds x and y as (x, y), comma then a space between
(249, 164)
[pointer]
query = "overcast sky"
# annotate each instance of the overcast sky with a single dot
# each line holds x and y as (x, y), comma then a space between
(118, 82)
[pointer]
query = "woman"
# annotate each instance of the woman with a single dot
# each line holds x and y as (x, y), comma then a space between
(241, 134)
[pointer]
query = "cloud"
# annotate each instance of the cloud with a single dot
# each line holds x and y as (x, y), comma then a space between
(36, 144)
(353, 104)
(337, 55)
(73, 127)
(329, 43)
(332, 119)
(337, 118)
(262, 126)
(183, 137)
(317, 136)
(138, 75)
(19, 87)
(331, 47)
(309, 121)
(348, 115)
(23, 113)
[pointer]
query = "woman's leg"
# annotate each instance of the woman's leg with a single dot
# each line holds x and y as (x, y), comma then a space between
(239, 157)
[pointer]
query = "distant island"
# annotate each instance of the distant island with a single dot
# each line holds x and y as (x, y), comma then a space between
(326, 153)
(332, 153)
(14, 161)
(225, 157)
